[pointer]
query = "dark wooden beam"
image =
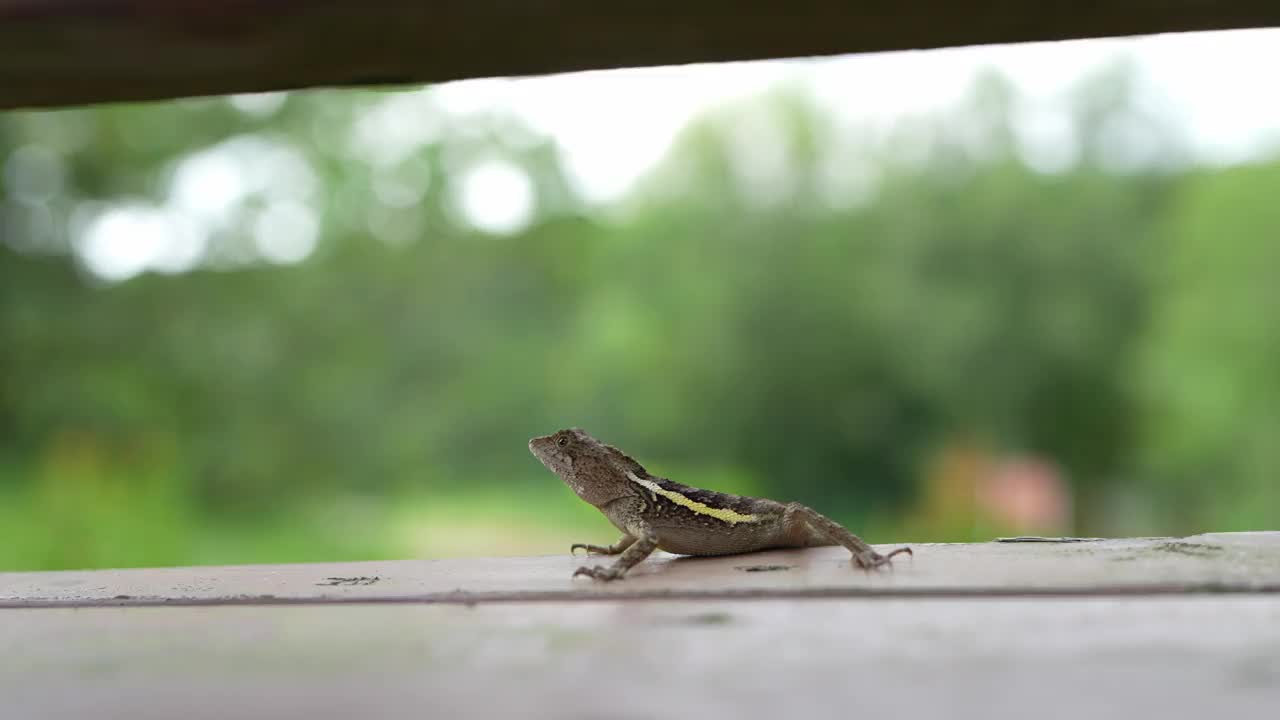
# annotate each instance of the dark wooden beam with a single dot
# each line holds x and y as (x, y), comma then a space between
(69, 52)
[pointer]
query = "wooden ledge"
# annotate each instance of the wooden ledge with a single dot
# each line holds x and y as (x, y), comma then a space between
(429, 639)
(68, 52)
(1215, 563)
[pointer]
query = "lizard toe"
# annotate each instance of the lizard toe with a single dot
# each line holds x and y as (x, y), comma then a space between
(899, 551)
(871, 559)
(598, 573)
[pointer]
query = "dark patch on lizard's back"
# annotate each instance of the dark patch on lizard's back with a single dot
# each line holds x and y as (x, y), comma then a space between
(712, 498)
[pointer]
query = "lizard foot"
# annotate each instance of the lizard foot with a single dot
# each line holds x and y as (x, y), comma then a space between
(599, 573)
(872, 559)
(588, 549)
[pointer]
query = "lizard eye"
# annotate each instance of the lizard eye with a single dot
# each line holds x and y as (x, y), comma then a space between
(562, 441)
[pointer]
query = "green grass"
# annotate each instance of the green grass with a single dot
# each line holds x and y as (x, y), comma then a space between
(46, 531)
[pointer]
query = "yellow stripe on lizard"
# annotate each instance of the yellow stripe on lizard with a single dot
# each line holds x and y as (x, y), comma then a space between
(724, 514)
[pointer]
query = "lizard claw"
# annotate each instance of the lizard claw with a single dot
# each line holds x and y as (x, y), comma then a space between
(871, 559)
(573, 549)
(598, 573)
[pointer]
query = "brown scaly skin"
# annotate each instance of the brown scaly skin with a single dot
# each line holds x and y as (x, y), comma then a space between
(656, 513)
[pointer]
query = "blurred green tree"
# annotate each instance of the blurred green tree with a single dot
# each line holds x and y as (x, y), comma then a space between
(786, 305)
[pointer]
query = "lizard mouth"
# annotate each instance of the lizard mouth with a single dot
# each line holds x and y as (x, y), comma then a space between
(538, 447)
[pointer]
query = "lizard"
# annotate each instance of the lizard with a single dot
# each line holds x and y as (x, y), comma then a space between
(655, 513)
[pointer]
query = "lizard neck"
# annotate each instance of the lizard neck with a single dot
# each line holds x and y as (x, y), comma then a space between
(600, 482)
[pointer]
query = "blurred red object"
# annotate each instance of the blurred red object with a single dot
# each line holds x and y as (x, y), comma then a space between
(1025, 495)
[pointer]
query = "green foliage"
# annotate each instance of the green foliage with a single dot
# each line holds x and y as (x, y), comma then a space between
(777, 310)
(1211, 365)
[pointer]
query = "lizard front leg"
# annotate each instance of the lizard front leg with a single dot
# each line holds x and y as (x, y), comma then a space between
(625, 542)
(799, 518)
(638, 550)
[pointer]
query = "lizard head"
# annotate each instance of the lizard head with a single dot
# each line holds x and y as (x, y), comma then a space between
(595, 471)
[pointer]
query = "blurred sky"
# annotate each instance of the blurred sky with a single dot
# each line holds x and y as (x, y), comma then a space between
(613, 126)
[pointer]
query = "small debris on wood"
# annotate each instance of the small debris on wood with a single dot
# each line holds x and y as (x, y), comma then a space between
(762, 568)
(362, 580)
(1038, 539)
(709, 618)
(1186, 548)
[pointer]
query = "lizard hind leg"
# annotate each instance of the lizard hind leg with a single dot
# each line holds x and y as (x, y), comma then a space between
(807, 525)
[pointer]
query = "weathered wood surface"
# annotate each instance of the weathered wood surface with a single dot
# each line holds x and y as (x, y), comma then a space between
(1169, 628)
(66, 52)
(985, 659)
(1226, 562)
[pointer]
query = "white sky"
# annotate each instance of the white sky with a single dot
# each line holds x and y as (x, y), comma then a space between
(613, 126)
